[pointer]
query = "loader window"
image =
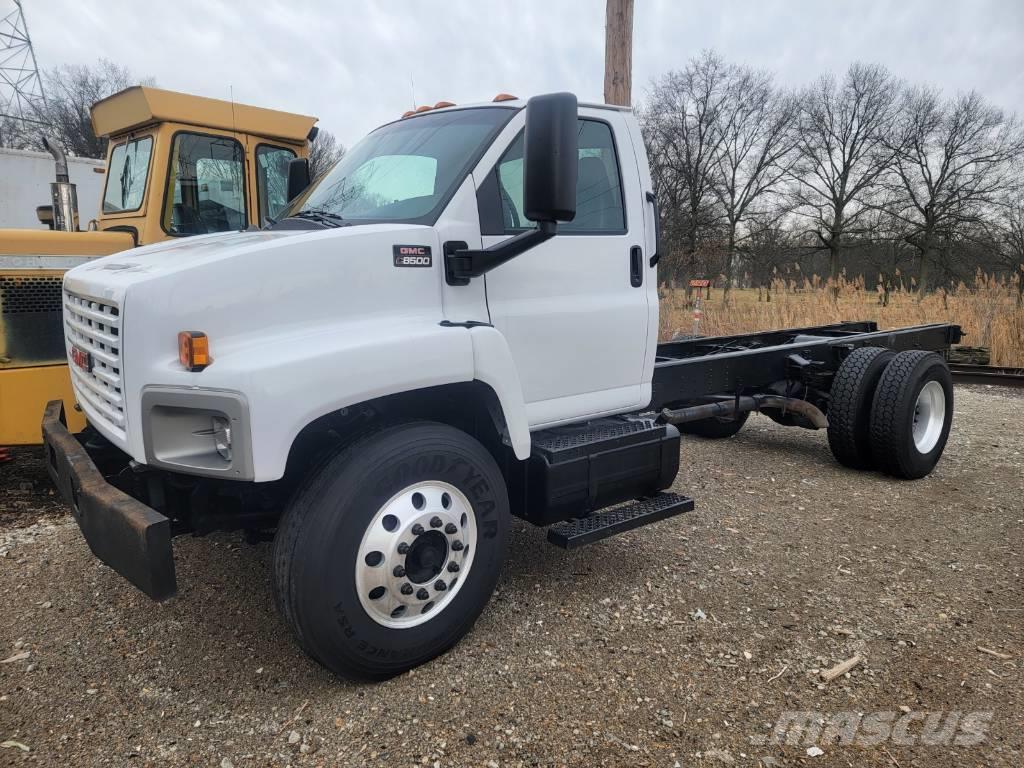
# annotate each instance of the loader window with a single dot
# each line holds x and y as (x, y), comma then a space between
(206, 186)
(126, 175)
(272, 180)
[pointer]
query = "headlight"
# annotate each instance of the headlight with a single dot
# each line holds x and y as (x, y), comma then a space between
(222, 437)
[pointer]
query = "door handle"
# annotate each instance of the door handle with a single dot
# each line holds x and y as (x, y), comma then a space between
(636, 266)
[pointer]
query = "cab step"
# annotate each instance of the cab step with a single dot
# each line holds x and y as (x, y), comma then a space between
(586, 530)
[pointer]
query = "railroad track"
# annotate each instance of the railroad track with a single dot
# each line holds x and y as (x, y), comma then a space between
(965, 373)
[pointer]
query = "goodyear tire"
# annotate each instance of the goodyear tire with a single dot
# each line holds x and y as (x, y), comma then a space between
(715, 428)
(388, 555)
(911, 414)
(849, 411)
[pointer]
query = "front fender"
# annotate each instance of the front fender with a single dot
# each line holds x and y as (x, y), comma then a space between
(292, 377)
(318, 375)
(494, 366)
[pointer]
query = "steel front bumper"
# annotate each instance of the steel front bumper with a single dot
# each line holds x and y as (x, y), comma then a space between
(124, 533)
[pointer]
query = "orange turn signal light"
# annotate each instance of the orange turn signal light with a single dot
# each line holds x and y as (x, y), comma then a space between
(194, 350)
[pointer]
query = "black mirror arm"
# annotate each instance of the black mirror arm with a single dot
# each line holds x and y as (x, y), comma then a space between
(462, 264)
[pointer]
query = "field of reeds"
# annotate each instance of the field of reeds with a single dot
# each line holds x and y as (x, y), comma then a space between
(989, 311)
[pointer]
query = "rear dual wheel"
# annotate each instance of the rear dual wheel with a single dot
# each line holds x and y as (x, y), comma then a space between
(890, 412)
(911, 414)
(388, 555)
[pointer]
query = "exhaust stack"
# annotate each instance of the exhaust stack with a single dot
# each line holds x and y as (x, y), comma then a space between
(62, 191)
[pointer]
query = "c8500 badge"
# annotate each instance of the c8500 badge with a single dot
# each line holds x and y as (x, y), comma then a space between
(412, 255)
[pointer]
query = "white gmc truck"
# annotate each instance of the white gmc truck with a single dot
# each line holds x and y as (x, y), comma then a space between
(456, 324)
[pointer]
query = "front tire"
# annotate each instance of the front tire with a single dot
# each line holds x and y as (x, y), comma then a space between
(388, 555)
(911, 414)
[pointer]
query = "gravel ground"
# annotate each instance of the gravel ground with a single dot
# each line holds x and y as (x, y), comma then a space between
(679, 644)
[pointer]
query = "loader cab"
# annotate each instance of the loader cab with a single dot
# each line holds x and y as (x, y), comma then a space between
(180, 165)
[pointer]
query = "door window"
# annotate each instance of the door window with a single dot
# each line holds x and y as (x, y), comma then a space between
(126, 175)
(272, 180)
(598, 188)
(206, 188)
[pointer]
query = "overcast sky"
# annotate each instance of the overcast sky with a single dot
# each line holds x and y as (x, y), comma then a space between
(358, 64)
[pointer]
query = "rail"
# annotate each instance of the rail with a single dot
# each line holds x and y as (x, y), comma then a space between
(964, 373)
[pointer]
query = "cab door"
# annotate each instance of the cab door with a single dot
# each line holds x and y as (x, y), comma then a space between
(574, 310)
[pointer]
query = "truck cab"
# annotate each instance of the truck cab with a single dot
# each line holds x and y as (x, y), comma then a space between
(177, 165)
(457, 324)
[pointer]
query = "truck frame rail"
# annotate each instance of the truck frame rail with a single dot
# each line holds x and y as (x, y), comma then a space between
(694, 369)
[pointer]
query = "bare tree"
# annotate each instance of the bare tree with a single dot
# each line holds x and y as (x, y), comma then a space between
(324, 151)
(71, 90)
(953, 161)
(845, 145)
(680, 122)
(755, 126)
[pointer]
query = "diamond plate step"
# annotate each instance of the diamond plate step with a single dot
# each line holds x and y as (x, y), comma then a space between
(587, 530)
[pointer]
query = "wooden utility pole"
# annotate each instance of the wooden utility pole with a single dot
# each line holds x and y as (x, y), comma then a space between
(618, 52)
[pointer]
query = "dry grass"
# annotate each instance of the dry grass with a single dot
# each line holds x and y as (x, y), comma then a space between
(988, 311)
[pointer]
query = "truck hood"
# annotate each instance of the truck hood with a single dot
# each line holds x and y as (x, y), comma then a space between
(109, 277)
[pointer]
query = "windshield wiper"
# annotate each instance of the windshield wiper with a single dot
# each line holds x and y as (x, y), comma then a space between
(322, 217)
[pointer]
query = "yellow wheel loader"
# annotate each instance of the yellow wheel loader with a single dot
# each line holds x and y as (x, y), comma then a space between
(177, 165)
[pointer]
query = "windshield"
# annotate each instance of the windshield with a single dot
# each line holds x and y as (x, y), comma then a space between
(406, 171)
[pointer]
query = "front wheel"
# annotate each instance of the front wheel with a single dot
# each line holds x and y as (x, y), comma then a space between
(386, 558)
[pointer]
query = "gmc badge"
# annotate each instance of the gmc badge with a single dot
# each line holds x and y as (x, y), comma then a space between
(412, 255)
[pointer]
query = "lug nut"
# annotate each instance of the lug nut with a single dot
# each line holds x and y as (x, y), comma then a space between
(417, 530)
(451, 528)
(453, 567)
(406, 589)
(435, 522)
(457, 545)
(399, 571)
(403, 548)
(423, 594)
(440, 586)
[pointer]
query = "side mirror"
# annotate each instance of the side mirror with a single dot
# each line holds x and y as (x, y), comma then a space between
(298, 176)
(550, 158)
(45, 215)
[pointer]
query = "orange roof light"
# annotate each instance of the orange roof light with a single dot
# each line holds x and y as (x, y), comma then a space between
(424, 108)
(194, 350)
(407, 113)
(443, 104)
(505, 97)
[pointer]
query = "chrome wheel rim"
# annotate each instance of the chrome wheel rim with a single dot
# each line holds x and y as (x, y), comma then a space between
(415, 554)
(929, 416)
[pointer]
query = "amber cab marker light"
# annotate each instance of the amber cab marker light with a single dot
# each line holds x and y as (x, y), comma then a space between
(443, 104)
(194, 350)
(505, 97)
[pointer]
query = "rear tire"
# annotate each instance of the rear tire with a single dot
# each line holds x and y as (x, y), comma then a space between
(357, 527)
(911, 414)
(715, 428)
(849, 411)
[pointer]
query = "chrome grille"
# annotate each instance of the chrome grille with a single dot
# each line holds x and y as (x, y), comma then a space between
(95, 327)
